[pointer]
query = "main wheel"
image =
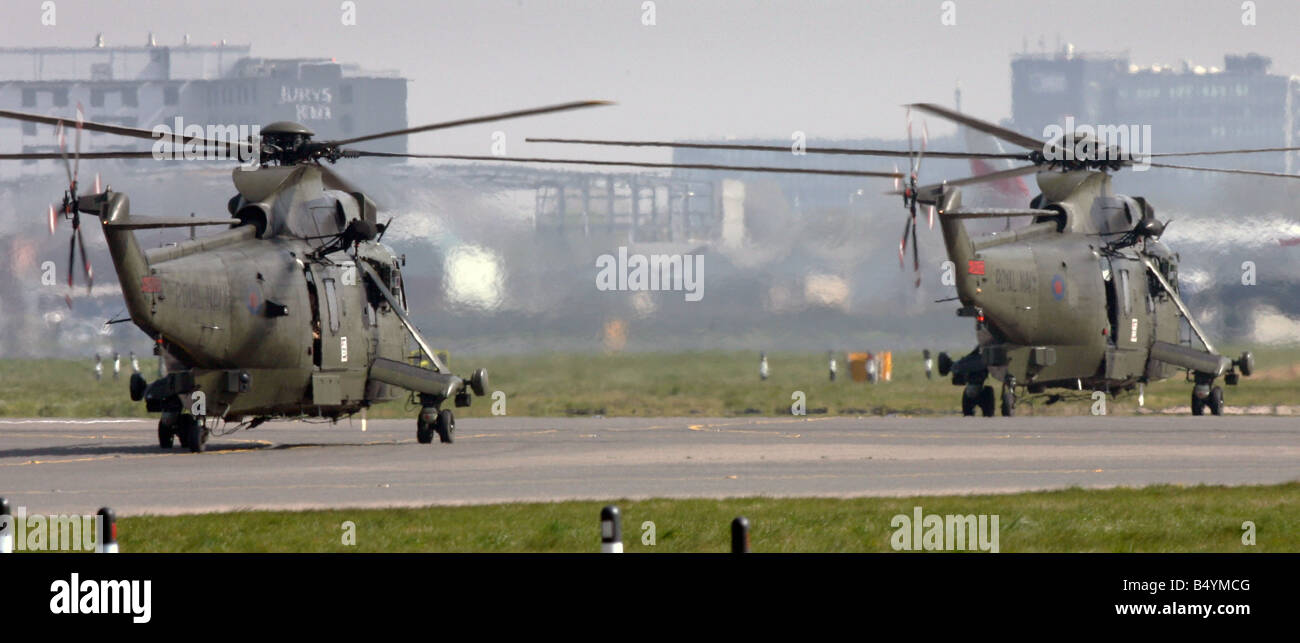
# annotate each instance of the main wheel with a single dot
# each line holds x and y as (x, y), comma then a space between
(987, 401)
(193, 436)
(445, 426)
(1198, 405)
(166, 434)
(967, 402)
(423, 431)
(1215, 401)
(1008, 401)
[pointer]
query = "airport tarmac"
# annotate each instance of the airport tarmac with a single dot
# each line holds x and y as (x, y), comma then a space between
(77, 466)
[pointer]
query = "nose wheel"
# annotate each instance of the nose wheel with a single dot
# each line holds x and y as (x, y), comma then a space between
(1212, 402)
(435, 422)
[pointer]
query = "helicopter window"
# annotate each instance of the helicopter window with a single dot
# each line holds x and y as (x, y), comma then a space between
(1105, 269)
(332, 305)
(1124, 291)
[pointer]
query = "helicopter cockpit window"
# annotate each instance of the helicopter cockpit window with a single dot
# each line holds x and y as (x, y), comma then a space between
(1105, 269)
(332, 305)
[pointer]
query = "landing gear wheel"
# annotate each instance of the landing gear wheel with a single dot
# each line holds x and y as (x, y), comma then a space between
(1215, 401)
(1008, 402)
(423, 431)
(987, 401)
(1198, 405)
(967, 402)
(194, 435)
(445, 426)
(166, 434)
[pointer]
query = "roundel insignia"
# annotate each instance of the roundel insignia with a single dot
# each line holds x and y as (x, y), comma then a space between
(254, 301)
(1058, 287)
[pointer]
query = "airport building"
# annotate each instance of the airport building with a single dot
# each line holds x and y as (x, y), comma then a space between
(1240, 104)
(218, 84)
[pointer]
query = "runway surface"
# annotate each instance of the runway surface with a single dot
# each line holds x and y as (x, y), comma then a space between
(76, 466)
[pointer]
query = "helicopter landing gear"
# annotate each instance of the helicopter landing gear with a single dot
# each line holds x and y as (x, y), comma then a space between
(445, 427)
(1215, 401)
(976, 396)
(1009, 396)
(1205, 395)
(193, 435)
(423, 430)
(434, 421)
(987, 404)
(166, 430)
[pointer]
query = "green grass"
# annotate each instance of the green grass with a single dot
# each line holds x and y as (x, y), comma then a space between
(651, 384)
(1151, 519)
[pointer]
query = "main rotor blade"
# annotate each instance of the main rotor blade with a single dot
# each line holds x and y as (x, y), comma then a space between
(76, 158)
(63, 152)
(1015, 138)
(684, 166)
(1194, 168)
(550, 109)
(851, 151)
(936, 188)
(1253, 150)
(45, 156)
(120, 130)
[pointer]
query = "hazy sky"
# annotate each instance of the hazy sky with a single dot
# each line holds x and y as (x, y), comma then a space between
(708, 68)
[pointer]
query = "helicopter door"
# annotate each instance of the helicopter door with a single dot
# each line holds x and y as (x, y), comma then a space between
(1129, 322)
(331, 309)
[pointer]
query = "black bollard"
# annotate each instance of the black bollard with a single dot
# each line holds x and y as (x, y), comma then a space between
(740, 535)
(611, 530)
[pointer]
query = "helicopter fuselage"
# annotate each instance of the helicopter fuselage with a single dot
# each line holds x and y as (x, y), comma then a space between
(1076, 299)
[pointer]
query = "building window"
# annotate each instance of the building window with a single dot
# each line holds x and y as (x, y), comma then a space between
(130, 98)
(61, 97)
(29, 98)
(29, 129)
(171, 95)
(96, 98)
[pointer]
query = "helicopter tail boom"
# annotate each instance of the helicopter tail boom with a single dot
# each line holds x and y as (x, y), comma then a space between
(113, 209)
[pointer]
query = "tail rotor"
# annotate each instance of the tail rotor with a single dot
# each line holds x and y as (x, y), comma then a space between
(909, 192)
(68, 208)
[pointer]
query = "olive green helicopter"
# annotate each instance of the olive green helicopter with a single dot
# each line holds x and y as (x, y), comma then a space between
(297, 309)
(1084, 297)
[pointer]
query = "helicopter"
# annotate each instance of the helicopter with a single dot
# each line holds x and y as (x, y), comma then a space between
(297, 309)
(1084, 297)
